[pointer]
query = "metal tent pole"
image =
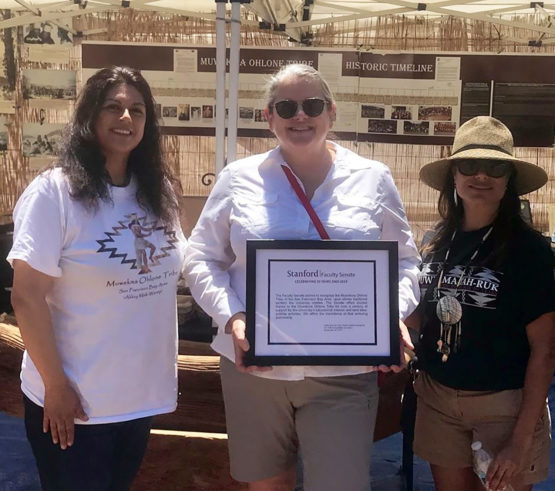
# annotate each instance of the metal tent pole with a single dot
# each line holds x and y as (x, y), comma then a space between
(220, 84)
(234, 79)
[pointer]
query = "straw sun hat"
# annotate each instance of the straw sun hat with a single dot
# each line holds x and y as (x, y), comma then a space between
(484, 137)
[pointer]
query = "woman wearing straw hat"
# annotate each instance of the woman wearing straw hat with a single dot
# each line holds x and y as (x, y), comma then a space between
(487, 318)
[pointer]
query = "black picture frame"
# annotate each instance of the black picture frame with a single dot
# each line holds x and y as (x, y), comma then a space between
(267, 282)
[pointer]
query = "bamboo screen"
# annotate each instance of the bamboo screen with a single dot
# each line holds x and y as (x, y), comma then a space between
(192, 157)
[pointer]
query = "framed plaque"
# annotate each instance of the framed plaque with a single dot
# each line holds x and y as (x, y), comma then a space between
(322, 302)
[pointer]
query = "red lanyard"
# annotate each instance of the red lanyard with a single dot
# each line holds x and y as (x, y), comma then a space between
(304, 200)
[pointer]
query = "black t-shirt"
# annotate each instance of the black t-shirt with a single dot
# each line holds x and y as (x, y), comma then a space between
(497, 304)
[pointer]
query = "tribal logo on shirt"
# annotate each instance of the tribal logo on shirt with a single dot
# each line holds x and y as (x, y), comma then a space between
(479, 287)
(147, 255)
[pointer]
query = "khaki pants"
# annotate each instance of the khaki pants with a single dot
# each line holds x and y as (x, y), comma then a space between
(449, 420)
(331, 419)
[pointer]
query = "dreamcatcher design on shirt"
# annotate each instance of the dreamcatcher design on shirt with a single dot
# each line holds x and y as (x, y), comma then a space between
(451, 288)
(147, 255)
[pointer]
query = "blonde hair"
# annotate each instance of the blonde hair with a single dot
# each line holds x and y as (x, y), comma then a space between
(298, 70)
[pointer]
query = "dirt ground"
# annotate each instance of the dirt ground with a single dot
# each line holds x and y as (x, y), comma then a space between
(195, 462)
(173, 461)
(177, 460)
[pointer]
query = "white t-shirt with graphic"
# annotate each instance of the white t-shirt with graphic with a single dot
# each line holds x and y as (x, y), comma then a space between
(113, 302)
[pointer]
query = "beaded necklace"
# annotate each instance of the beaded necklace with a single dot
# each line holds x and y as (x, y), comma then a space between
(449, 309)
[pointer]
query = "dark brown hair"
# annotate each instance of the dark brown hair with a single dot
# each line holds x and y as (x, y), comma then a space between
(84, 165)
(507, 222)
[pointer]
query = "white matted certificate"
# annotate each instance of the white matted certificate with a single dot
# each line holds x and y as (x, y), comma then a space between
(314, 302)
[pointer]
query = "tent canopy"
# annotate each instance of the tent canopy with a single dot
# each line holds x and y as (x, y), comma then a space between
(296, 17)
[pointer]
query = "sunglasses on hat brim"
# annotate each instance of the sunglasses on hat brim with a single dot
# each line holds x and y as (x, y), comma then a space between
(492, 168)
(312, 107)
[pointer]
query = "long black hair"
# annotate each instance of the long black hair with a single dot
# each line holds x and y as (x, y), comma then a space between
(506, 224)
(84, 165)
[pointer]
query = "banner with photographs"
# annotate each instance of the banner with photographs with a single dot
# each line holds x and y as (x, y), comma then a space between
(396, 98)
(399, 96)
(41, 140)
(49, 84)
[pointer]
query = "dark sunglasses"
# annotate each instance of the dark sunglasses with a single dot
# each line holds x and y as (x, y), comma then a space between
(492, 168)
(312, 107)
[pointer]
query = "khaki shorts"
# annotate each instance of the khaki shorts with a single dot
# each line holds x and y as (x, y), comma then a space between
(331, 419)
(449, 420)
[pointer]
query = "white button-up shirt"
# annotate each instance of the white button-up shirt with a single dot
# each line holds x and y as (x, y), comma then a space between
(252, 199)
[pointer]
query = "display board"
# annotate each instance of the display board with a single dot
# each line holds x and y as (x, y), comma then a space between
(395, 98)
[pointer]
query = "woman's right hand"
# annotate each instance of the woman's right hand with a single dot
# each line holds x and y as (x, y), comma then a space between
(61, 401)
(62, 405)
(237, 325)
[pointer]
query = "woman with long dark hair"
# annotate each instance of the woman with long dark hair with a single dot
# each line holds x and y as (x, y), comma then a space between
(487, 318)
(98, 321)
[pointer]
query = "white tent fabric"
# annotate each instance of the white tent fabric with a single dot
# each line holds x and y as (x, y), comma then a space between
(297, 16)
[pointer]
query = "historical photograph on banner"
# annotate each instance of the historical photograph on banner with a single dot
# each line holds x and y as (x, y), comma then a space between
(3, 134)
(47, 34)
(49, 84)
(41, 140)
(7, 95)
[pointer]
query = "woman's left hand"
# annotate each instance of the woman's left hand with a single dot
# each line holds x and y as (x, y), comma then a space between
(506, 464)
(406, 344)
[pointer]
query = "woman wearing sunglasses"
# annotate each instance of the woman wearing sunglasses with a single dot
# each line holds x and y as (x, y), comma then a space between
(487, 318)
(328, 412)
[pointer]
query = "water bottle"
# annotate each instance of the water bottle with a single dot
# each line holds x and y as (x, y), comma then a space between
(480, 463)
